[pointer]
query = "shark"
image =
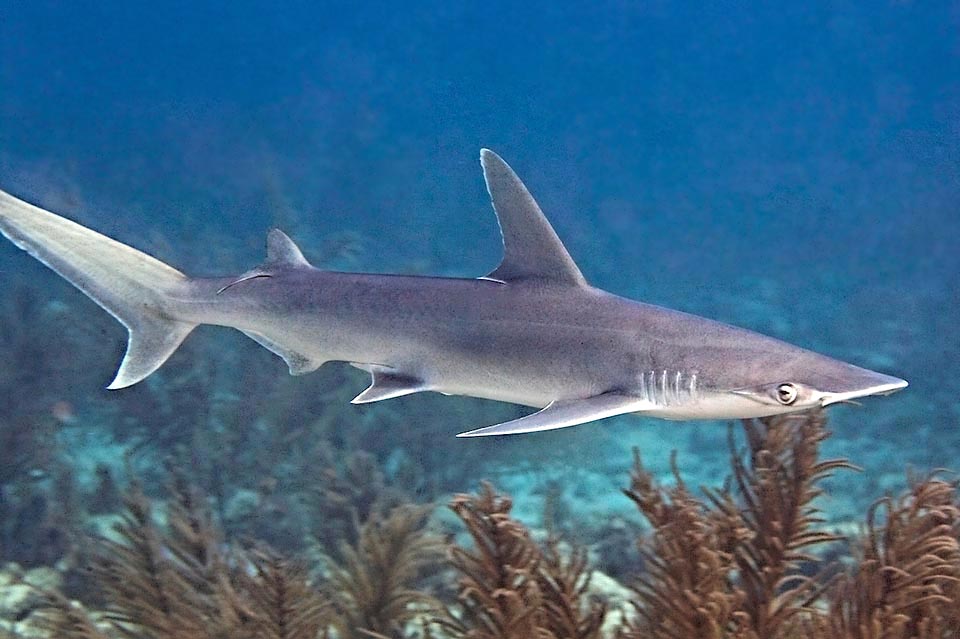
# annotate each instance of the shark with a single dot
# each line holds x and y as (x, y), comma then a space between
(532, 332)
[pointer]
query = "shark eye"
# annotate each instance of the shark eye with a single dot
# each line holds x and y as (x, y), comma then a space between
(786, 394)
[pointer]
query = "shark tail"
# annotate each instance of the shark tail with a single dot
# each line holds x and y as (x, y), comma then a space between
(132, 286)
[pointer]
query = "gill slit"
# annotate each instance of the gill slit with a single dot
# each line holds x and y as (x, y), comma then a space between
(668, 388)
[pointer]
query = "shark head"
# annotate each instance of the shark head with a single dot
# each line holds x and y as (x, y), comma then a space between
(810, 380)
(722, 371)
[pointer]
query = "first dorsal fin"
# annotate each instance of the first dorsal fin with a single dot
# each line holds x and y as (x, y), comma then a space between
(531, 248)
(282, 251)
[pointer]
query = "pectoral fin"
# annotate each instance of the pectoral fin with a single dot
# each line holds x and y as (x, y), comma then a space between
(562, 414)
(387, 383)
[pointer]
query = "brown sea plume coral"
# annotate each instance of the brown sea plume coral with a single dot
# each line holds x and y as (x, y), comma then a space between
(173, 583)
(182, 582)
(736, 562)
(509, 587)
(373, 588)
(686, 590)
(776, 489)
(906, 580)
(739, 562)
(498, 593)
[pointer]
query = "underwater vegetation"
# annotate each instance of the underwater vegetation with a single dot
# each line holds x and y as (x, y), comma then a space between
(753, 558)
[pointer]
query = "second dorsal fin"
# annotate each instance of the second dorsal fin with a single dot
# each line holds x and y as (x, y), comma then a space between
(531, 248)
(282, 254)
(282, 251)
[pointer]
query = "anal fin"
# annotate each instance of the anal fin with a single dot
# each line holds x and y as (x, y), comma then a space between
(387, 383)
(298, 363)
(566, 413)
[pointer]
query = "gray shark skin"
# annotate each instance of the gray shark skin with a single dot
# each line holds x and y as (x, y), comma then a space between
(532, 332)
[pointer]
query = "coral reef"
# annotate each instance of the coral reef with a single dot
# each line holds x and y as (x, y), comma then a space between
(906, 582)
(736, 561)
(373, 587)
(509, 586)
(743, 561)
(177, 582)
(348, 499)
(753, 559)
(499, 594)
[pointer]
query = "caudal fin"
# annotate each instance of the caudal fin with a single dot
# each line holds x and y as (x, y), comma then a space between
(131, 285)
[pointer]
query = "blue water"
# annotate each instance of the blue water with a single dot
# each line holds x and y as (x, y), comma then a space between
(793, 168)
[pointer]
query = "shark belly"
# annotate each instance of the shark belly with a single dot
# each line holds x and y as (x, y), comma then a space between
(460, 337)
(473, 338)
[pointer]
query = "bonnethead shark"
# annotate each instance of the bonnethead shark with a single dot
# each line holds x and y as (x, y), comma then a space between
(532, 332)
